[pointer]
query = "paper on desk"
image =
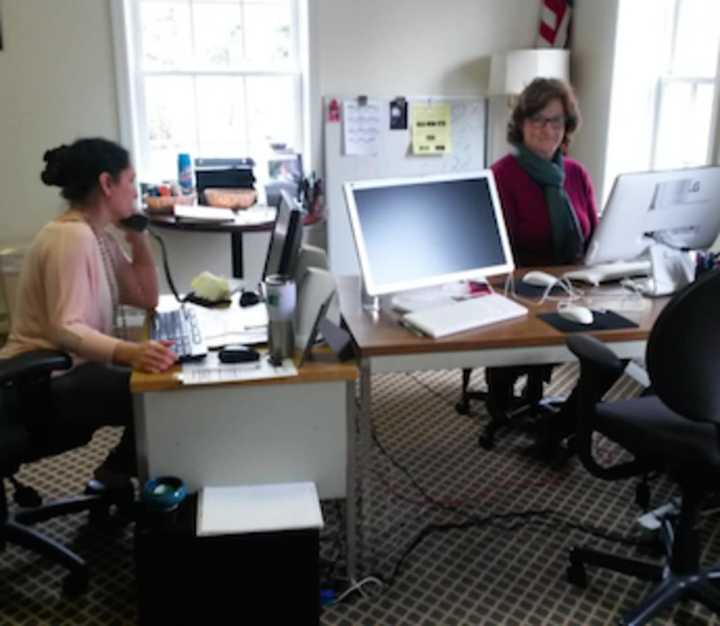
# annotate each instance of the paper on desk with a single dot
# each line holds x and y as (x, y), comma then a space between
(431, 128)
(362, 124)
(233, 324)
(211, 370)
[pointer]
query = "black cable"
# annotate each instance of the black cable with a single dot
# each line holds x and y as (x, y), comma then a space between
(524, 519)
(166, 265)
(430, 389)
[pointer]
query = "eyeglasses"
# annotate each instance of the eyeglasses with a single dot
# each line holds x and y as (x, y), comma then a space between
(539, 121)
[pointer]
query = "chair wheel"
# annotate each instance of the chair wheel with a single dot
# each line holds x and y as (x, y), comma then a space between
(576, 575)
(75, 584)
(462, 408)
(486, 442)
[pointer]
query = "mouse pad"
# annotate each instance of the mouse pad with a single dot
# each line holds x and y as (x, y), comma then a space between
(531, 291)
(609, 320)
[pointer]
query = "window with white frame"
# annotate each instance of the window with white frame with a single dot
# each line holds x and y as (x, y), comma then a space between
(664, 97)
(213, 78)
(686, 88)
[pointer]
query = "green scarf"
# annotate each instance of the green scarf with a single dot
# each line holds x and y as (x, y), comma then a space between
(567, 238)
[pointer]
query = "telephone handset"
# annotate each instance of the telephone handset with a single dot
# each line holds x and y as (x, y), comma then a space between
(137, 222)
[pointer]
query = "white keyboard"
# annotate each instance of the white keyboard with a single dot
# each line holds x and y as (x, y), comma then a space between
(464, 315)
(606, 272)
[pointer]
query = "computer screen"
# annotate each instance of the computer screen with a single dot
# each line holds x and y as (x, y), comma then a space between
(285, 240)
(680, 208)
(425, 231)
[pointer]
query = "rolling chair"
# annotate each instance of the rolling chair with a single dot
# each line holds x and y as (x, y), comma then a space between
(529, 404)
(676, 431)
(27, 435)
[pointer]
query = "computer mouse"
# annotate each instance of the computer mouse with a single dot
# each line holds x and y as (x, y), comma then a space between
(539, 279)
(576, 313)
(248, 298)
(238, 353)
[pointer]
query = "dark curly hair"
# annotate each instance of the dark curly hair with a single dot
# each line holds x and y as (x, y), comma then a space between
(534, 98)
(77, 167)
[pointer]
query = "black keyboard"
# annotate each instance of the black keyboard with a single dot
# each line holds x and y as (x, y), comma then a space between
(181, 326)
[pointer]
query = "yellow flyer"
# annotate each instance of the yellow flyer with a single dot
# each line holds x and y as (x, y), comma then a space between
(431, 132)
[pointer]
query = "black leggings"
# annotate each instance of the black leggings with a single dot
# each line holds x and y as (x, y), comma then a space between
(96, 395)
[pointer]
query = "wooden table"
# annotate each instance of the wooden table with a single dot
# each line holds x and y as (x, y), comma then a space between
(385, 346)
(235, 228)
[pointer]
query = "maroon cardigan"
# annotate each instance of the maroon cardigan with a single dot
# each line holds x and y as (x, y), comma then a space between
(526, 214)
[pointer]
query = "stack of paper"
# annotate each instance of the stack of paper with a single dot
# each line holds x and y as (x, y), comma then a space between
(258, 508)
(210, 370)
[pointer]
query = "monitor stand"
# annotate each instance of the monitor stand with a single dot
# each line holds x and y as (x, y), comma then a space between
(671, 270)
(371, 304)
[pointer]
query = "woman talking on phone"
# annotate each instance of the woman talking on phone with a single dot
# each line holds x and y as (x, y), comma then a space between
(74, 278)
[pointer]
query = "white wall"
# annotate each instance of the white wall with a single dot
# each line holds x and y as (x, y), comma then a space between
(57, 77)
(591, 66)
(409, 47)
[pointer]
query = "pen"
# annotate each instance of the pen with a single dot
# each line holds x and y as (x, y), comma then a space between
(411, 328)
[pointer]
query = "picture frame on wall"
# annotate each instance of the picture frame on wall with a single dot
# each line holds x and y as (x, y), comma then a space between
(1, 25)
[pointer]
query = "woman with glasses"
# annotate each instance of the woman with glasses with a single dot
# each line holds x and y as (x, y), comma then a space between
(548, 199)
(549, 206)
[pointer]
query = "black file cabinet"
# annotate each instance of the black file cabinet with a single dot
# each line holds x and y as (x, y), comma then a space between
(228, 579)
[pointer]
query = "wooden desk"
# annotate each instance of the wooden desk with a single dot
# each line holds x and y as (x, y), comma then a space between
(299, 428)
(385, 346)
(235, 229)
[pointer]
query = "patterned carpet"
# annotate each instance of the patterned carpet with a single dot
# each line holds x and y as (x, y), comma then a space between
(504, 571)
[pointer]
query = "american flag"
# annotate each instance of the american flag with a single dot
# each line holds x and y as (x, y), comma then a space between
(554, 31)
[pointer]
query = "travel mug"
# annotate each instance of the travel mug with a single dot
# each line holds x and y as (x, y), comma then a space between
(280, 297)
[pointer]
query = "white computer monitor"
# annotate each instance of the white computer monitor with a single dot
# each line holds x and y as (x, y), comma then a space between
(425, 231)
(677, 208)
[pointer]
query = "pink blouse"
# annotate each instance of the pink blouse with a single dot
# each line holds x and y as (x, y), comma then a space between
(64, 298)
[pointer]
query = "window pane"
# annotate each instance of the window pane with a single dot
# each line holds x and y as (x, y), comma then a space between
(685, 115)
(165, 34)
(268, 32)
(170, 111)
(218, 34)
(271, 114)
(221, 117)
(698, 33)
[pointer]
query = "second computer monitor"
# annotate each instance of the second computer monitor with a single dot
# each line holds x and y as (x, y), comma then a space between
(285, 240)
(680, 208)
(425, 231)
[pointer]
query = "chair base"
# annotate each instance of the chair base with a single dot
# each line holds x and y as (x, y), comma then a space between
(98, 500)
(78, 577)
(673, 587)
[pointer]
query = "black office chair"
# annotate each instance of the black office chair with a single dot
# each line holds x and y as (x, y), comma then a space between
(677, 431)
(525, 410)
(27, 434)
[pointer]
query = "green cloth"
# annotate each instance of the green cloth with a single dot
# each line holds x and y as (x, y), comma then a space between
(567, 237)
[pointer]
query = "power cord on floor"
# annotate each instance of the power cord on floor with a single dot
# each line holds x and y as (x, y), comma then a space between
(525, 519)
(542, 518)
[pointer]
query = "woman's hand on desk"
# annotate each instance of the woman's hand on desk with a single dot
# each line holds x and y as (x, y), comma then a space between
(146, 356)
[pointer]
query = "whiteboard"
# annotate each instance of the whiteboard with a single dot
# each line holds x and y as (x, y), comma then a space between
(394, 159)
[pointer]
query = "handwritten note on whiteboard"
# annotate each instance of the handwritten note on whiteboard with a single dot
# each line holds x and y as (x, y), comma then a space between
(361, 127)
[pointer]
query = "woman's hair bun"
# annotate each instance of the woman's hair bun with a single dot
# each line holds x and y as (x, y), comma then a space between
(55, 172)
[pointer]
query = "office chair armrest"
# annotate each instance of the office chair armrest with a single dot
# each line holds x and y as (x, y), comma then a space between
(600, 368)
(33, 364)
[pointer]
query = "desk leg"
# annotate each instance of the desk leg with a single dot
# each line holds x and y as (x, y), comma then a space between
(236, 248)
(363, 434)
(352, 506)
(141, 437)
